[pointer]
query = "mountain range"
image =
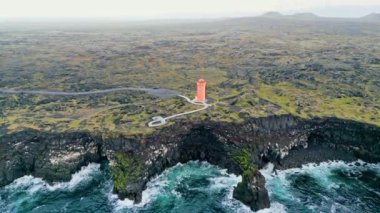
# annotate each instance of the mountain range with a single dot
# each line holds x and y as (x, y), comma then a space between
(273, 14)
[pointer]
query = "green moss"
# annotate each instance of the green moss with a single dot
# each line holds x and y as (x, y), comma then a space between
(110, 122)
(243, 159)
(331, 86)
(125, 170)
(308, 103)
(286, 96)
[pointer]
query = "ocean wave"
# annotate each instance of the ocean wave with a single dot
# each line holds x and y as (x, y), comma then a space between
(29, 190)
(166, 184)
(327, 186)
(275, 207)
(214, 185)
(224, 181)
(32, 184)
(321, 170)
(153, 188)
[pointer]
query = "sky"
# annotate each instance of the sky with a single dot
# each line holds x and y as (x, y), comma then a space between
(151, 9)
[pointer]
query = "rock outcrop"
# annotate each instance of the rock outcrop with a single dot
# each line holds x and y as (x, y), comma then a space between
(240, 148)
(252, 192)
(335, 139)
(50, 156)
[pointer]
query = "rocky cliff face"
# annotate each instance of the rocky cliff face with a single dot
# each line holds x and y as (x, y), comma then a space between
(241, 148)
(50, 156)
(334, 139)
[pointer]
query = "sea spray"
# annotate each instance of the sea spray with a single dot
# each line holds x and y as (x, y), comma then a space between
(31, 194)
(32, 184)
(197, 186)
(200, 186)
(326, 187)
(194, 186)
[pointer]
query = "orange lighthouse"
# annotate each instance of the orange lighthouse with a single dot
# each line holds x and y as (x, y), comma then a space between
(201, 91)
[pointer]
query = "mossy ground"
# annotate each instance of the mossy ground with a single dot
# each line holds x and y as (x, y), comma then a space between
(252, 68)
(126, 169)
(309, 103)
(244, 159)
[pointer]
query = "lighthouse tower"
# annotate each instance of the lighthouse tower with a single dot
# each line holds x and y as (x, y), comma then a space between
(201, 91)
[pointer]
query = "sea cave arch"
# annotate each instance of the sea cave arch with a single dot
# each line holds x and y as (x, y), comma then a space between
(200, 143)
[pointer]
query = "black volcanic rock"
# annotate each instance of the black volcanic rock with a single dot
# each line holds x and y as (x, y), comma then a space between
(50, 156)
(253, 192)
(337, 139)
(241, 148)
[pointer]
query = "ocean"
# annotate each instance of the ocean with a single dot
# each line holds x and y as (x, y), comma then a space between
(201, 187)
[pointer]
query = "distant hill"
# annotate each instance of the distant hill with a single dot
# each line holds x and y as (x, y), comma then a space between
(312, 16)
(372, 17)
(272, 14)
(293, 16)
(304, 15)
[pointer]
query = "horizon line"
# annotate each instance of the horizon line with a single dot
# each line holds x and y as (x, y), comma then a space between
(174, 18)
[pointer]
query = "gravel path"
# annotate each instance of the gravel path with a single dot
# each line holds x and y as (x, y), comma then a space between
(162, 93)
(158, 120)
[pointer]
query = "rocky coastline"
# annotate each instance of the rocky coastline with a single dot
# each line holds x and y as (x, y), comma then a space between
(241, 148)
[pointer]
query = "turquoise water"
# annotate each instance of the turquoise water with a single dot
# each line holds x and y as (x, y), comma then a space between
(201, 187)
(328, 187)
(191, 187)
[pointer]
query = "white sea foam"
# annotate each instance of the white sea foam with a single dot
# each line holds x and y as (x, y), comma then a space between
(275, 207)
(239, 207)
(321, 170)
(224, 181)
(236, 206)
(32, 184)
(267, 170)
(153, 188)
(278, 183)
(118, 203)
(228, 181)
(157, 186)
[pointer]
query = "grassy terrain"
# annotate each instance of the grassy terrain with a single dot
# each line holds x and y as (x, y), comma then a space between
(253, 67)
(126, 170)
(243, 159)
